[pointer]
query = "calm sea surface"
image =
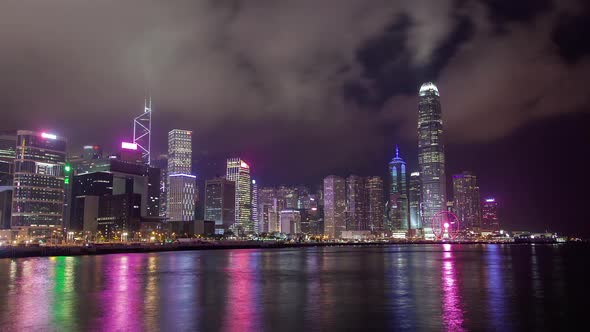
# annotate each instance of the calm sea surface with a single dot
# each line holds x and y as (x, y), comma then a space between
(405, 287)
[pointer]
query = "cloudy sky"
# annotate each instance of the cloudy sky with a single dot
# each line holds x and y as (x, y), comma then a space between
(301, 88)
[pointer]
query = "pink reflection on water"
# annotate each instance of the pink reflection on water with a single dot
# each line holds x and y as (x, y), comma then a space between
(452, 311)
(242, 311)
(121, 297)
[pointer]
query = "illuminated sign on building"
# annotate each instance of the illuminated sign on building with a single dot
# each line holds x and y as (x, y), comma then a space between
(128, 146)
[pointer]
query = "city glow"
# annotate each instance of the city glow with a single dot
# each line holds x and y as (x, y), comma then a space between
(50, 136)
(128, 146)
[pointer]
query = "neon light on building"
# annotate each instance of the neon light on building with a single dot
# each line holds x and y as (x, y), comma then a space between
(128, 146)
(50, 136)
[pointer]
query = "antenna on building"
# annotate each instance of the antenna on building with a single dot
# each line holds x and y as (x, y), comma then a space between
(142, 130)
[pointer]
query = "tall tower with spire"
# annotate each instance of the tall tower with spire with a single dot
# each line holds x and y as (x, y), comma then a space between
(431, 155)
(398, 194)
(142, 130)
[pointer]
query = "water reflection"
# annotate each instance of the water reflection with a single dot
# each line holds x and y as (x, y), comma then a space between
(452, 311)
(451, 287)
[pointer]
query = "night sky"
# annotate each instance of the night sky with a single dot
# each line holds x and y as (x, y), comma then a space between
(305, 88)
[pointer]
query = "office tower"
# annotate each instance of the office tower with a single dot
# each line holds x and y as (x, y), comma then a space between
(431, 157)
(182, 189)
(489, 212)
(142, 131)
(398, 194)
(414, 197)
(105, 191)
(376, 205)
(7, 156)
(92, 152)
(289, 196)
(334, 206)
(254, 205)
(162, 164)
(38, 197)
(269, 207)
(220, 203)
(290, 221)
(357, 201)
(239, 172)
(466, 204)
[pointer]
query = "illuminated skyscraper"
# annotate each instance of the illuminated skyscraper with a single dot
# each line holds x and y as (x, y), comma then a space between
(467, 204)
(254, 205)
(431, 156)
(182, 188)
(38, 197)
(357, 204)
(239, 172)
(398, 194)
(7, 156)
(414, 195)
(374, 185)
(142, 131)
(489, 211)
(334, 206)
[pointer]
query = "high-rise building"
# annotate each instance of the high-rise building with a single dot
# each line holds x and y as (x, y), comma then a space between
(375, 194)
(254, 204)
(269, 208)
(290, 221)
(357, 204)
(162, 164)
(289, 196)
(142, 131)
(220, 203)
(180, 150)
(414, 195)
(334, 206)
(182, 188)
(431, 156)
(398, 194)
(239, 172)
(38, 196)
(489, 212)
(7, 156)
(467, 204)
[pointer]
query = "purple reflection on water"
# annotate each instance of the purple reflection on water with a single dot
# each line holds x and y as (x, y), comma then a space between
(452, 311)
(120, 298)
(243, 311)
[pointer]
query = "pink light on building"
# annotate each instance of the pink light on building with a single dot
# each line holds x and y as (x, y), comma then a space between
(50, 136)
(128, 146)
(243, 164)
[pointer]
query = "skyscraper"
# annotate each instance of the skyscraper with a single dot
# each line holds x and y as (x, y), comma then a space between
(182, 188)
(357, 202)
(374, 185)
(142, 131)
(489, 211)
(162, 164)
(398, 194)
(38, 197)
(431, 157)
(414, 195)
(220, 203)
(239, 172)
(466, 200)
(334, 206)
(254, 205)
(7, 156)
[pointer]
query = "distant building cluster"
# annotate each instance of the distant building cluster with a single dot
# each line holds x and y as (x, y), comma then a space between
(47, 195)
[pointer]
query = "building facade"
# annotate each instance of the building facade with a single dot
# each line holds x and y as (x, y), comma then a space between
(181, 185)
(38, 182)
(334, 206)
(466, 200)
(431, 155)
(357, 204)
(398, 194)
(239, 172)
(489, 212)
(376, 205)
(220, 203)
(415, 201)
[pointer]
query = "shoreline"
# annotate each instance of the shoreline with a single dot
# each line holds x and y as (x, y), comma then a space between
(106, 249)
